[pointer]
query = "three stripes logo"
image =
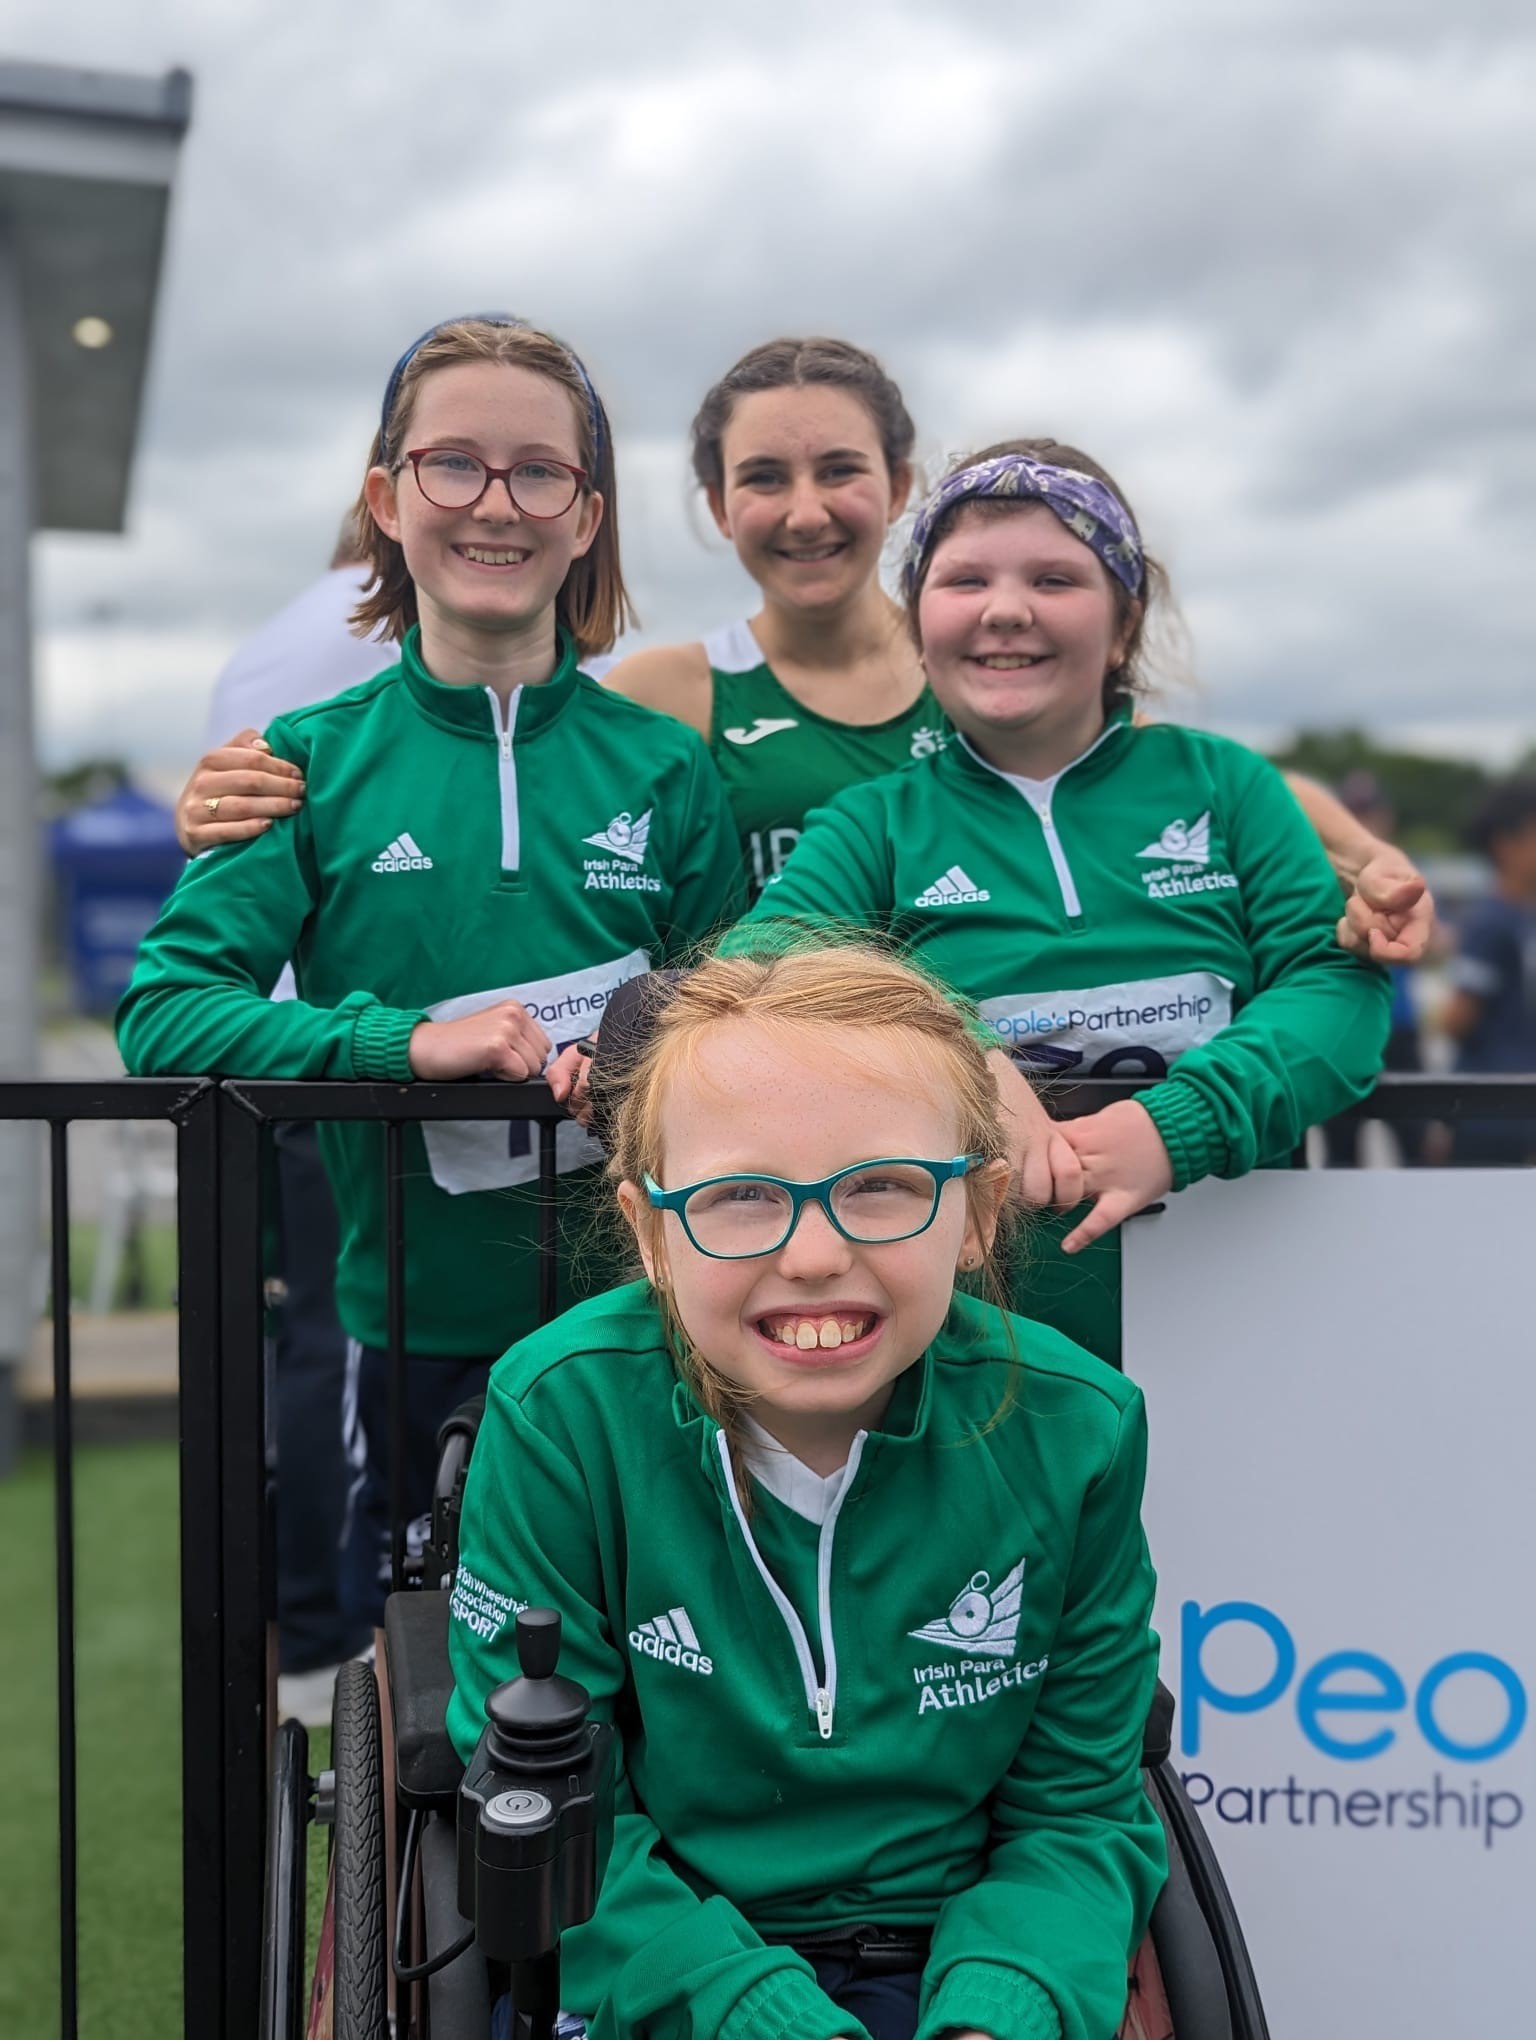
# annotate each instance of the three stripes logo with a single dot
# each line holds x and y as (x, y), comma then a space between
(404, 854)
(672, 1640)
(953, 889)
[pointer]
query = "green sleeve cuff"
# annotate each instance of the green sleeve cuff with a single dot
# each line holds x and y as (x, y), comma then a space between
(993, 1999)
(381, 1044)
(1188, 1128)
(789, 2005)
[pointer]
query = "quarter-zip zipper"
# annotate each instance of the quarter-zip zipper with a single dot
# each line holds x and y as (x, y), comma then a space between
(1066, 883)
(506, 777)
(820, 1691)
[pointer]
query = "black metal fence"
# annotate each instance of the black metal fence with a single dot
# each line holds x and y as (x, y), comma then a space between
(226, 1600)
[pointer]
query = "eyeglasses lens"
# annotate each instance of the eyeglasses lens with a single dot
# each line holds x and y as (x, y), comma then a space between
(739, 1217)
(455, 481)
(744, 1215)
(887, 1203)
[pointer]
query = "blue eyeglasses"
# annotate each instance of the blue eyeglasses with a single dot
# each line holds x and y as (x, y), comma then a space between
(737, 1218)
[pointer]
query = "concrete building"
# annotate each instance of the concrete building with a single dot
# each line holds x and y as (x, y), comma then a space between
(87, 160)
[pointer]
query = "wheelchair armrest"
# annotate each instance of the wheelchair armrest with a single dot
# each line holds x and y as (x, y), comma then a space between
(1157, 1737)
(427, 1767)
(455, 1443)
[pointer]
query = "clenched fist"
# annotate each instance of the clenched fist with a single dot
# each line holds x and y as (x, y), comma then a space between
(499, 1041)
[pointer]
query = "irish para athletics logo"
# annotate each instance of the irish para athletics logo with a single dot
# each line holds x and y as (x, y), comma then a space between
(624, 837)
(1180, 857)
(625, 841)
(1188, 842)
(983, 1623)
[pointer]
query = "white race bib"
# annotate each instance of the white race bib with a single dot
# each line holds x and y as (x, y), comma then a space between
(1128, 1030)
(493, 1154)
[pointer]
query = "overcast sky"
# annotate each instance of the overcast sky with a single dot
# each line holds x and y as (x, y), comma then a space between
(1271, 262)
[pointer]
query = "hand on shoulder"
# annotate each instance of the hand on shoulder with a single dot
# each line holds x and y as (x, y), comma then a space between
(673, 678)
(236, 792)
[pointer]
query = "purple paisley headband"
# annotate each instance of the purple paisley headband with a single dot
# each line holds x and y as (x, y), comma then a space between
(1088, 509)
(392, 387)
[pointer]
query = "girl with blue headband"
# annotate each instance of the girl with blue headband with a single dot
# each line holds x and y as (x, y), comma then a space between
(1117, 899)
(490, 844)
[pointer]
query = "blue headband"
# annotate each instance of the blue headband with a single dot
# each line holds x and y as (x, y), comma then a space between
(1088, 509)
(392, 387)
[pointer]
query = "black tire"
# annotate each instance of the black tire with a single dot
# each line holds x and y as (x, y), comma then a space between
(360, 1997)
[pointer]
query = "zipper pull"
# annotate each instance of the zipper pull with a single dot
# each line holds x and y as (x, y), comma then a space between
(824, 1714)
(506, 743)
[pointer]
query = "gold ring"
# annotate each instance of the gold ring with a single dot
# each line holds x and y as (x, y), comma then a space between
(212, 802)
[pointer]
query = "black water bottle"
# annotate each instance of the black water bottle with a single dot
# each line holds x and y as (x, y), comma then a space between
(535, 1819)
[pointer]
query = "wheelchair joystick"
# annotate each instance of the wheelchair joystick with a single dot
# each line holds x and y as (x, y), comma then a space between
(535, 1819)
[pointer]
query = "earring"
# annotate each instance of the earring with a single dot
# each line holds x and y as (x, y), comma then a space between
(970, 1261)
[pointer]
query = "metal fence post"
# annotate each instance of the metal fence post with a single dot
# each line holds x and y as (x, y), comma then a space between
(243, 1556)
(202, 1585)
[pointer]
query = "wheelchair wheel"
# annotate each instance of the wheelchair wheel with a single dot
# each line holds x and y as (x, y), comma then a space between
(360, 2009)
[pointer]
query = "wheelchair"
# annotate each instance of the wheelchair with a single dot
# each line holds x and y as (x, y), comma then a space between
(398, 1957)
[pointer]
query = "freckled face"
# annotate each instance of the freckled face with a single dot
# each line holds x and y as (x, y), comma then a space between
(792, 1109)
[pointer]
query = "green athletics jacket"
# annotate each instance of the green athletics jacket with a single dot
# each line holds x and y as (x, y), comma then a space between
(1161, 909)
(446, 857)
(928, 1711)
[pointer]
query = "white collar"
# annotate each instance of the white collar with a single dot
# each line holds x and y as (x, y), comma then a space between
(788, 1479)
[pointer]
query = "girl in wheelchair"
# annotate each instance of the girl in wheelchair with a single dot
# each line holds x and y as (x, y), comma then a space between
(851, 1557)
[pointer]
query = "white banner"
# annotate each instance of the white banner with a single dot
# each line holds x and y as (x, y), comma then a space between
(1340, 1371)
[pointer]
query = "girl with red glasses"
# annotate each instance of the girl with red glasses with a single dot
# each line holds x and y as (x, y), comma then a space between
(490, 844)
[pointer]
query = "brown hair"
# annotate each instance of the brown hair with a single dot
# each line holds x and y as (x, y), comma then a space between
(794, 365)
(593, 603)
(1131, 677)
(843, 990)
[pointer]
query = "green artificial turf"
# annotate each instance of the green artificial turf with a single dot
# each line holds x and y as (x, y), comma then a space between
(147, 1282)
(127, 1674)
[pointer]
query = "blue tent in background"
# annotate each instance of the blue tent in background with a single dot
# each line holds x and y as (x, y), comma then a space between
(114, 863)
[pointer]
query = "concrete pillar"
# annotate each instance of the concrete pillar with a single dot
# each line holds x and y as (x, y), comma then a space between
(18, 849)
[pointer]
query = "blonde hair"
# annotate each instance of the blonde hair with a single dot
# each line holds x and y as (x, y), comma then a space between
(847, 990)
(593, 603)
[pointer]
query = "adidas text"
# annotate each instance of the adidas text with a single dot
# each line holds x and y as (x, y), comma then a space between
(671, 1640)
(404, 854)
(953, 889)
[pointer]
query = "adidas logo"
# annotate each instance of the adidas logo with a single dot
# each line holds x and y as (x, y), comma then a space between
(979, 1622)
(671, 1639)
(404, 854)
(954, 889)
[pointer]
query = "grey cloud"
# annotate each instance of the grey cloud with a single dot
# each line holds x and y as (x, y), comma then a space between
(1317, 216)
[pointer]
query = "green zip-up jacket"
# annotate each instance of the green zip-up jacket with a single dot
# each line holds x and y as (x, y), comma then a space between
(1162, 908)
(447, 856)
(927, 1711)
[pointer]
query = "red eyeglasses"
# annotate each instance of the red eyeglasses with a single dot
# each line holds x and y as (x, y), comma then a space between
(453, 480)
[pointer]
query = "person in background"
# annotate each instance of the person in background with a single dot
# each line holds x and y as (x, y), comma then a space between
(1364, 796)
(1491, 1014)
(307, 652)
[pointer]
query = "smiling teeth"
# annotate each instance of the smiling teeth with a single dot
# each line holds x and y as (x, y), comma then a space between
(1008, 662)
(809, 1333)
(492, 559)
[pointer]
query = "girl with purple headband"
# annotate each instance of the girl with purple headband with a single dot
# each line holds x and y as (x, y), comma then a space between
(490, 844)
(1118, 899)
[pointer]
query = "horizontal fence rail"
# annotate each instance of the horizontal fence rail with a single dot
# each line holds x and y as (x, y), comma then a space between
(226, 1604)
